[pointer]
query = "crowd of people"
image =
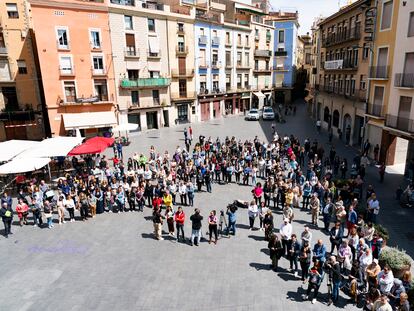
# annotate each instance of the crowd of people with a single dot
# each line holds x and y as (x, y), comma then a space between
(285, 176)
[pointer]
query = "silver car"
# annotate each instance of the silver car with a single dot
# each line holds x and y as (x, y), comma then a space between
(253, 114)
(268, 113)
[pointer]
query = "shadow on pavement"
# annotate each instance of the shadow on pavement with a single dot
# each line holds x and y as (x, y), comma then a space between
(260, 266)
(256, 238)
(265, 251)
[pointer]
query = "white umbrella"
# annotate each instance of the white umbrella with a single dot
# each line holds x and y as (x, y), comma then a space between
(125, 127)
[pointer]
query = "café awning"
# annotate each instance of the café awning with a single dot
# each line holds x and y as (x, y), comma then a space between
(87, 120)
(23, 165)
(52, 147)
(259, 95)
(11, 148)
(92, 146)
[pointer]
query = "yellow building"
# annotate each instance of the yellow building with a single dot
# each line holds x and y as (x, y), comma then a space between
(380, 73)
(21, 109)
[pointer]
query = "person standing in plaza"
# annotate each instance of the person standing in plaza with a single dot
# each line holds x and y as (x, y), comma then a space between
(305, 258)
(286, 234)
(293, 252)
(157, 221)
(196, 219)
(252, 211)
(275, 250)
(169, 215)
(6, 214)
(315, 206)
(179, 218)
(231, 213)
(268, 224)
(335, 274)
(373, 208)
(47, 211)
(212, 226)
(22, 211)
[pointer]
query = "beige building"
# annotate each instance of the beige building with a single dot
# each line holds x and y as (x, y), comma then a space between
(21, 115)
(398, 133)
(344, 60)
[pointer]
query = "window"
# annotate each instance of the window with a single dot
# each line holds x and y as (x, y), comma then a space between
(362, 83)
(404, 112)
(239, 59)
(378, 98)
(239, 82)
(133, 74)
(65, 63)
(180, 27)
(2, 43)
(156, 97)
(193, 109)
(216, 86)
(256, 34)
(228, 38)
(95, 39)
(365, 51)
(135, 97)
(246, 59)
(256, 65)
(326, 115)
(214, 33)
(128, 22)
(12, 10)
(203, 83)
(411, 25)
(151, 24)
(154, 74)
(181, 44)
(98, 65)
(228, 59)
(247, 40)
(203, 58)
(21, 65)
(182, 86)
(201, 31)
(246, 81)
(228, 81)
(281, 36)
(386, 15)
(214, 58)
(130, 45)
(70, 91)
(239, 42)
(62, 37)
(101, 90)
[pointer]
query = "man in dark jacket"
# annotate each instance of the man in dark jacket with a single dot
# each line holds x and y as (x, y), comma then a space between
(335, 236)
(334, 270)
(6, 214)
(196, 219)
(293, 253)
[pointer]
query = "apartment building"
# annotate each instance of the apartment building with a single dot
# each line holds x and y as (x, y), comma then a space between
(139, 32)
(315, 63)
(380, 71)
(397, 136)
(209, 62)
(284, 53)
(263, 35)
(22, 110)
(76, 65)
(344, 57)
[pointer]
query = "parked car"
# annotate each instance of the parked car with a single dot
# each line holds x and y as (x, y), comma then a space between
(268, 113)
(253, 114)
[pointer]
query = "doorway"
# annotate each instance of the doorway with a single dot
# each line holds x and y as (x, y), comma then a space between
(166, 118)
(152, 122)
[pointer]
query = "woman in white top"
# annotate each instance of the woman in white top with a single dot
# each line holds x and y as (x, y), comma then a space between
(61, 209)
(252, 211)
(182, 190)
(262, 213)
(70, 206)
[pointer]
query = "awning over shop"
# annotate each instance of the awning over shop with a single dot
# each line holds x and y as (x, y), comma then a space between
(52, 147)
(11, 148)
(23, 165)
(249, 8)
(92, 146)
(259, 95)
(87, 120)
(125, 127)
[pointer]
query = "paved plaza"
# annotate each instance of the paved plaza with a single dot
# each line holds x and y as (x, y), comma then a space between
(112, 262)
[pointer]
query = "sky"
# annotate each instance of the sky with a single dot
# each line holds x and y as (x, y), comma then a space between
(308, 10)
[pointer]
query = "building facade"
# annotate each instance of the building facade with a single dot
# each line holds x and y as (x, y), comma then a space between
(76, 65)
(344, 61)
(284, 50)
(22, 110)
(397, 145)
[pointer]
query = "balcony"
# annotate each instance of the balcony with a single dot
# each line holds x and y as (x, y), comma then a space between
(280, 67)
(344, 36)
(281, 53)
(262, 53)
(268, 38)
(340, 64)
(63, 47)
(217, 6)
(215, 65)
(176, 73)
(203, 65)
(229, 65)
(208, 17)
(214, 91)
(400, 123)
(67, 72)
(153, 6)
(242, 66)
(379, 72)
(256, 38)
(405, 80)
(99, 72)
(3, 50)
(202, 39)
(145, 83)
(215, 41)
(181, 50)
(355, 94)
(180, 30)
(375, 111)
(152, 55)
(124, 2)
(183, 95)
(131, 52)
(262, 70)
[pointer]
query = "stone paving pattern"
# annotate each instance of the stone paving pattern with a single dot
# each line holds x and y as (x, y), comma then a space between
(112, 262)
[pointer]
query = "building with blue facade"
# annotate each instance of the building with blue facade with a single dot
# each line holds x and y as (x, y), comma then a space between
(284, 53)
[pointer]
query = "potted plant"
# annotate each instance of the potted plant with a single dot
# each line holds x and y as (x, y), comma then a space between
(382, 232)
(397, 259)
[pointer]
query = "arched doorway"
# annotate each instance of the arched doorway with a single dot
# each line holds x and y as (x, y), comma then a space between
(347, 128)
(335, 118)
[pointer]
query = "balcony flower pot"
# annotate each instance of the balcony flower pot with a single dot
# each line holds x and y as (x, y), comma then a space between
(397, 259)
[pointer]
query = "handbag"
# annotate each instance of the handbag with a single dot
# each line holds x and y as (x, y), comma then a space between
(8, 213)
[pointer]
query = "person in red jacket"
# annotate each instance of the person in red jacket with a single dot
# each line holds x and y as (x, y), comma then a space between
(179, 218)
(156, 202)
(22, 210)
